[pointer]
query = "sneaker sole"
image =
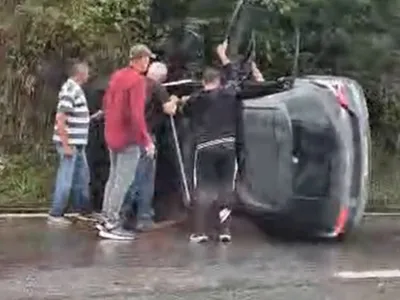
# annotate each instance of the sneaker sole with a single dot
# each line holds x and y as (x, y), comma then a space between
(110, 236)
(203, 241)
(199, 240)
(51, 222)
(86, 219)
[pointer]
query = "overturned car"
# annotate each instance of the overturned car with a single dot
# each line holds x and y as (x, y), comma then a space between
(303, 152)
(306, 156)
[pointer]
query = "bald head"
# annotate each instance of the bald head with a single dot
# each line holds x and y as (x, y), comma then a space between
(157, 71)
(79, 71)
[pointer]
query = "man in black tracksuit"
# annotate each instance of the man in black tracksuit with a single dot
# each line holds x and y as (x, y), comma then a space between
(213, 119)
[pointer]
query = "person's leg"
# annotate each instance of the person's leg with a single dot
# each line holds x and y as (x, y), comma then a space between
(80, 183)
(63, 186)
(109, 186)
(134, 192)
(227, 170)
(146, 192)
(125, 169)
(205, 194)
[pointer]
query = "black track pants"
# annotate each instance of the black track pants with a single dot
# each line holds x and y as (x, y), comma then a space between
(215, 169)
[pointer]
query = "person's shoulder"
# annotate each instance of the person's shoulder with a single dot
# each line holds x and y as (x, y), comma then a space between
(150, 82)
(69, 87)
(117, 73)
(155, 85)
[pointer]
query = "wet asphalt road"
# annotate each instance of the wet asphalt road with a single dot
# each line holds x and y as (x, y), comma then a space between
(42, 262)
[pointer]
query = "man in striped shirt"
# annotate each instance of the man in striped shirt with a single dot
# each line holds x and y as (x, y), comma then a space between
(70, 137)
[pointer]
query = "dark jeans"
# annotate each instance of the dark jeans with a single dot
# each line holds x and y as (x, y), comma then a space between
(141, 191)
(215, 170)
(72, 179)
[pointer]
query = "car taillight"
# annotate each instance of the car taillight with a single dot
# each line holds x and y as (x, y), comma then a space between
(341, 220)
(341, 97)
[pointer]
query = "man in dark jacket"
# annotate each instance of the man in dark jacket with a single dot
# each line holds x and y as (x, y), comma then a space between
(158, 103)
(213, 119)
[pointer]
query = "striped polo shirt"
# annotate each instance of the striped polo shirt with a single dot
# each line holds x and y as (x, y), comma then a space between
(72, 102)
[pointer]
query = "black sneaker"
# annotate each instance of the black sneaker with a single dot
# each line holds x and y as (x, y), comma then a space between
(198, 238)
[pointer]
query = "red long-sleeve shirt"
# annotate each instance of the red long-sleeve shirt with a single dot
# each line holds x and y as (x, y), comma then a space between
(124, 110)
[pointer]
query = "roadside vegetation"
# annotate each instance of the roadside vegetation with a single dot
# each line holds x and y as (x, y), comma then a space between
(358, 38)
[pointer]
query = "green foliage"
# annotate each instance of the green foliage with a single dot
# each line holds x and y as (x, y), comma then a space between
(41, 35)
(76, 27)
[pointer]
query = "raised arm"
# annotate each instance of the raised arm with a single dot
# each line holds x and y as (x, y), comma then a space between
(230, 71)
(257, 75)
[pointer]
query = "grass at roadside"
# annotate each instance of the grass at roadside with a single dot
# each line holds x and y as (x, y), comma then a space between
(385, 181)
(26, 181)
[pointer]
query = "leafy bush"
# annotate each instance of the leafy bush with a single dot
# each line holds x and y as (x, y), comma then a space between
(25, 181)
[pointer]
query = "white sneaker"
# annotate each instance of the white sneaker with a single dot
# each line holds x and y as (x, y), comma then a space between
(198, 238)
(225, 238)
(58, 221)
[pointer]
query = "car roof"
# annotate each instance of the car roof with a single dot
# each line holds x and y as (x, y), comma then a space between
(328, 78)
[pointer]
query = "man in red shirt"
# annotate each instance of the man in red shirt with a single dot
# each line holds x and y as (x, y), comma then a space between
(125, 133)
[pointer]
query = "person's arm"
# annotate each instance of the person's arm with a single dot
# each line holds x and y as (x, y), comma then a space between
(168, 103)
(189, 104)
(97, 115)
(64, 108)
(230, 71)
(137, 100)
(170, 107)
(221, 51)
(257, 75)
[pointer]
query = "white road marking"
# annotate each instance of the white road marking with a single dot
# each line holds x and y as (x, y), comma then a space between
(368, 274)
(31, 215)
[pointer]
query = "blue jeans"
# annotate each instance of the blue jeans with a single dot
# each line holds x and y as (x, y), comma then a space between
(72, 179)
(142, 189)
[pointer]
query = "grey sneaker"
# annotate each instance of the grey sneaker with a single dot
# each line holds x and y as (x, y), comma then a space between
(103, 222)
(145, 225)
(117, 234)
(101, 218)
(58, 221)
(107, 225)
